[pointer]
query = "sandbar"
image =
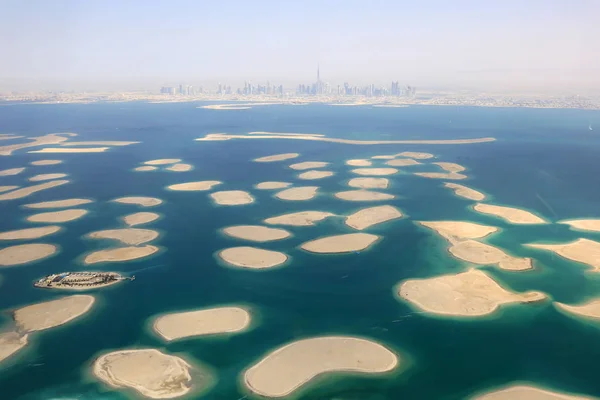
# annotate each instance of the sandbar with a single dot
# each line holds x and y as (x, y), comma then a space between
(56, 217)
(359, 163)
(25, 253)
(384, 157)
(252, 257)
(509, 214)
(139, 200)
(368, 217)
(277, 157)
(465, 192)
(52, 138)
(369, 183)
(346, 243)
(99, 143)
(302, 218)
(26, 191)
(591, 225)
(485, 254)
(180, 167)
(270, 185)
(59, 203)
(289, 367)
(232, 198)
(441, 175)
(69, 150)
(402, 162)
(298, 193)
(163, 161)
(375, 171)
(46, 162)
(10, 343)
(468, 294)
(459, 230)
(309, 165)
(210, 321)
(363, 195)
(256, 233)
(140, 218)
(311, 175)
(581, 250)
(29, 233)
(450, 167)
(119, 254)
(150, 372)
(50, 314)
(197, 186)
(145, 168)
(7, 188)
(589, 309)
(129, 236)
(12, 171)
(416, 155)
(46, 177)
(525, 392)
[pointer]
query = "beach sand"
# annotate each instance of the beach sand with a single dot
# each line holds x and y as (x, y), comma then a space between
(523, 392)
(450, 167)
(128, 236)
(26, 191)
(277, 157)
(465, 192)
(57, 217)
(581, 250)
(50, 314)
(509, 214)
(145, 168)
(589, 309)
(252, 257)
(46, 177)
(359, 163)
(441, 175)
(459, 230)
(302, 218)
(301, 193)
(140, 218)
(139, 200)
(194, 186)
(289, 367)
(467, 294)
(12, 171)
(309, 165)
(374, 171)
(485, 254)
(368, 217)
(29, 233)
(311, 175)
(363, 195)
(8, 188)
(256, 233)
(415, 155)
(232, 198)
(346, 243)
(46, 162)
(270, 185)
(590, 225)
(163, 161)
(369, 183)
(59, 203)
(119, 254)
(402, 162)
(25, 253)
(180, 167)
(10, 343)
(210, 321)
(67, 150)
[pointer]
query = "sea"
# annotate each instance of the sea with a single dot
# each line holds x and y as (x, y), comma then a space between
(544, 160)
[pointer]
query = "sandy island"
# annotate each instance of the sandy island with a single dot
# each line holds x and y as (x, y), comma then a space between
(145, 168)
(368, 217)
(415, 155)
(270, 185)
(10, 343)
(8, 188)
(194, 186)
(359, 163)
(232, 198)
(442, 175)
(50, 314)
(459, 230)
(450, 167)
(374, 171)
(346, 243)
(252, 257)
(129, 236)
(309, 165)
(46, 177)
(99, 143)
(277, 157)
(581, 250)
(69, 150)
(150, 372)
(363, 195)
(46, 162)
(29, 233)
(140, 218)
(384, 157)
(256, 233)
(210, 321)
(51, 138)
(287, 368)
(57, 217)
(119, 254)
(509, 214)
(180, 167)
(12, 171)
(465, 192)
(26, 191)
(302, 218)
(163, 161)
(59, 203)
(589, 309)
(468, 294)
(591, 225)
(369, 183)
(298, 193)
(139, 200)
(25, 253)
(311, 175)
(402, 162)
(522, 392)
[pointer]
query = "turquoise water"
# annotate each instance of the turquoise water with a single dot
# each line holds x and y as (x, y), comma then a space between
(544, 160)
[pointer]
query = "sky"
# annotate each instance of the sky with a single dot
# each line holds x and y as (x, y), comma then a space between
(454, 45)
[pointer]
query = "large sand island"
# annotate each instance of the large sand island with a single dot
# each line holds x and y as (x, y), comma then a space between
(590, 225)
(346, 243)
(359, 163)
(59, 203)
(163, 161)
(363, 195)
(402, 162)
(69, 150)
(384, 157)
(589, 309)
(369, 183)
(309, 165)
(290, 367)
(150, 372)
(523, 392)
(140, 218)
(311, 175)
(450, 167)
(139, 200)
(210, 321)
(256, 233)
(51, 138)
(368, 217)
(194, 186)
(40, 163)
(585, 251)
(52, 313)
(180, 167)
(8, 188)
(29, 233)
(145, 168)
(459, 230)
(509, 214)
(441, 175)
(27, 190)
(252, 257)
(10, 343)
(468, 294)
(12, 171)
(119, 254)
(25, 253)
(232, 198)
(300, 193)
(277, 157)
(56, 217)
(374, 171)
(46, 177)
(302, 218)
(465, 192)
(271, 185)
(415, 155)
(485, 254)
(128, 236)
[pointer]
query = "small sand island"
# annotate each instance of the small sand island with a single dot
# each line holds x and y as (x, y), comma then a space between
(311, 175)
(56, 217)
(12, 171)
(10, 343)
(383, 157)
(271, 185)
(301, 193)
(589, 309)
(290, 367)
(46, 177)
(252, 257)
(450, 167)
(139, 200)
(363, 195)
(26, 191)
(459, 230)
(402, 162)
(40, 163)
(590, 225)
(25, 253)
(302, 218)
(29, 233)
(359, 163)
(99, 143)
(465, 192)
(346, 243)
(277, 157)
(163, 161)
(375, 171)
(212, 321)
(82, 280)
(232, 198)
(180, 167)
(50, 314)
(150, 372)
(509, 214)
(59, 203)
(140, 218)
(194, 186)
(256, 233)
(581, 250)
(120, 254)
(368, 217)
(442, 175)
(129, 236)
(145, 168)
(369, 183)
(309, 165)
(468, 294)
(415, 155)
(522, 392)
(68, 150)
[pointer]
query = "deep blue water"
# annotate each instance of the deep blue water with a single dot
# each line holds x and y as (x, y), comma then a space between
(544, 160)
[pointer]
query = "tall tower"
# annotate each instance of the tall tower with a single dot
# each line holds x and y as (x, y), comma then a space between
(318, 74)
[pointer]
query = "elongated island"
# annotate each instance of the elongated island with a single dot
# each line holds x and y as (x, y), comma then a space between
(80, 280)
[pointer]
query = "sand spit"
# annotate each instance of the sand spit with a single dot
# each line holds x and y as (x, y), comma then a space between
(375, 171)
(359, 163)
(385, 157)
(309, 165)
(589, 309)
(522, 392)
(29, 233)
(57, 217)
(442, 175)
(369, 183)
(485, 254)
(140, 218)
(163, 161)
(468, 294)
(368, 217)
(26, 191)
(46, 177)
(402, 162)
(128, 236)
(252, 257)
(256, 233)
(46, 162)
(509, 214)
(10, 343)
(416, 155)
(450, 167)
(194, 186)
(347, 243)
(232, 198)
(69, 150)
(581, 250)
(12, 171)
(284, 134)
(150, 372)
(145, 168)
(210, 321)
(139, 200)
(277, 157)
(591, 225)
(7, 188)
(180, 167)
(10, 137)
(465, 192)
(59, 203)
(25, 253)
(99, 143)
(302, 218)
(459, 230)
(51, 138)
(363, 195)
(119, 254)
(290, 367)
(301, 193)
(272, 185)
(311, 175)
(50, 314)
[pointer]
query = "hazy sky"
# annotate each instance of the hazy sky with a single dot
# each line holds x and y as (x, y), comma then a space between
(429, 43)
